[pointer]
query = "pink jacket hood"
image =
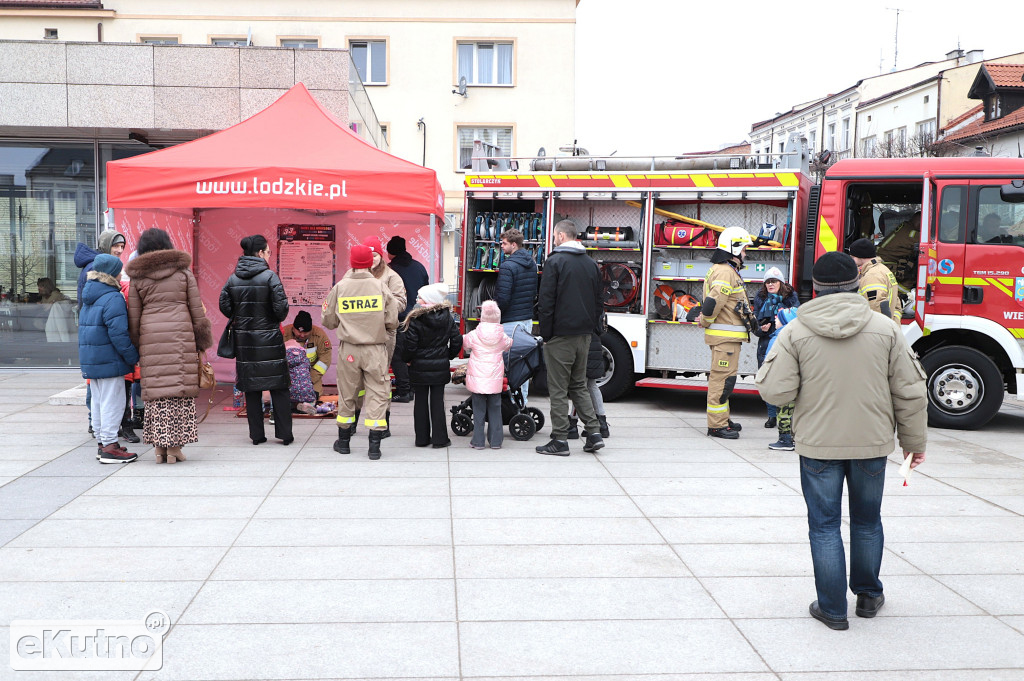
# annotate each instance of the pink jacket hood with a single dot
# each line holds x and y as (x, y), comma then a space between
(486, 368)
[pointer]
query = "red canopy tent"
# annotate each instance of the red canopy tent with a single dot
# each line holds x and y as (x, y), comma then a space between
(293, 154)
(292, 172)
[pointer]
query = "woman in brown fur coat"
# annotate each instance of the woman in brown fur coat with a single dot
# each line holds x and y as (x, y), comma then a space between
(167, 324)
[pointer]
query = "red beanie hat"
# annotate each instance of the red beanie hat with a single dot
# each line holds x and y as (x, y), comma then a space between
(360, 257)
(373, 243)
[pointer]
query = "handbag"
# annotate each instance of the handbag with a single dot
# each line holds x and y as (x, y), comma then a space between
(226, 344)
(206, 378)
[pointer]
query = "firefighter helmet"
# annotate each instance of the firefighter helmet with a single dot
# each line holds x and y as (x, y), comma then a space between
(732, 240)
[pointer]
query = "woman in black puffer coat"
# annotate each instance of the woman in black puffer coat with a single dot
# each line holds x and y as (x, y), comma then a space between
(254, 301)
(431, 339)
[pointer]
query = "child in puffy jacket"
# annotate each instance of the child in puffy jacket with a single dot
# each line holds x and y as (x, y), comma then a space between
(485, 374)
(300, 392)
(785, 442)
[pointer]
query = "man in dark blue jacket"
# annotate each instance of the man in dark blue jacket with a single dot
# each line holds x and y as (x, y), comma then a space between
(516, 289)
(414, 276)
(570, 311)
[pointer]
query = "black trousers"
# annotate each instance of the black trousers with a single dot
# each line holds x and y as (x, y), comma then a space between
(282, 407)
(428, 415)
(399, 368)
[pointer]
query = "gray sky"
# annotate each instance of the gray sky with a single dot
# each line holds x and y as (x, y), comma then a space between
(671, 76)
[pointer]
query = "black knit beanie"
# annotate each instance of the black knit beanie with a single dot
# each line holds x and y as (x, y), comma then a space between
(396, 246)
(863, 248)
(835, 272)
(303, 321)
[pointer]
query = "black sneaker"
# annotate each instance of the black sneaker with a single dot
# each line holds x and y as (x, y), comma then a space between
(555, 448)
(784, 444)
(594, 443)
(735, 426)
(724, 433)
(838, 625)
(402, 398)
(868, 606)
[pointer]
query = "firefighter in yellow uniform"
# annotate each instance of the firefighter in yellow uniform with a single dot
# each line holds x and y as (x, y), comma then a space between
(898, 251)
(394, 283)
(725, 326)
(316, 343)
(363, 310)
(877, 283)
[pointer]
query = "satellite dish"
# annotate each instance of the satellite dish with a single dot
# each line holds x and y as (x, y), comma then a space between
(461, 90)
(542, 152)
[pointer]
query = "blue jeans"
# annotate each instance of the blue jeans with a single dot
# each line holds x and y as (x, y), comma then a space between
(822, 484)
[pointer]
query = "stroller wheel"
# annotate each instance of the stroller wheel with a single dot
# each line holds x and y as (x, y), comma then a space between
(537, 415)
(462, 424)
(522, 427)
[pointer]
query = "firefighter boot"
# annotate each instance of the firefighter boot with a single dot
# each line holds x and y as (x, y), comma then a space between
(341, 444)
(573, 433)
(387, 427)
(375, 438)
(725, 433)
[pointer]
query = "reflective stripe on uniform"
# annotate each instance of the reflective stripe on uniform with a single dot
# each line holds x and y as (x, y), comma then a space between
(718, 408)
(346, 419)
(321, 367)
(872, 287)
(311, 353)
(727, 288)
(371, 423)
(729, 327)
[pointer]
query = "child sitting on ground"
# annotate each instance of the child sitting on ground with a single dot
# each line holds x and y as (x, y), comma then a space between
(300, 392)
(431, 340)
(485, 375)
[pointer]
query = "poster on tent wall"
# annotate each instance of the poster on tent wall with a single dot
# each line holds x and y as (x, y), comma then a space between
(306, 262)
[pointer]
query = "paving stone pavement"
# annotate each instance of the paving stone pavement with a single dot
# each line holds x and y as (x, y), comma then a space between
(667, 556)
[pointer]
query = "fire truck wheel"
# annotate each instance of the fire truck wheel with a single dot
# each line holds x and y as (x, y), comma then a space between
(618, 378)
(965, 388)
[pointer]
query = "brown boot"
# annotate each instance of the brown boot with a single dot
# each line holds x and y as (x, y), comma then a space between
(161, 454)
(174, 454)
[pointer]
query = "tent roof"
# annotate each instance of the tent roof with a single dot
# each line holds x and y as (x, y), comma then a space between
(293, 154)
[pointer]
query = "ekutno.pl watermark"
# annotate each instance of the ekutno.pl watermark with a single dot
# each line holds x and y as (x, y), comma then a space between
(89, 645)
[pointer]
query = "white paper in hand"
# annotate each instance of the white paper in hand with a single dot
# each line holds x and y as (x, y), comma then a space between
(905, 469)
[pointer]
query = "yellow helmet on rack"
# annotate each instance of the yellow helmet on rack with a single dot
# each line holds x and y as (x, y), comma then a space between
(733, 240)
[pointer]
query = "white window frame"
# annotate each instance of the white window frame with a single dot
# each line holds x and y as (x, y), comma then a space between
(925, 127)
(283, 39)
(846, 134)
(158, 39)
(832, 137)
(484, 126)
(476, 43)
(234, 40)
(870, 145)
(813, 139)
(369, 56)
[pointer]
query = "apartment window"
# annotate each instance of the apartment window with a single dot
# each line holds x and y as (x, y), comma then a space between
(925, 131)
(49, 34)
(228, 41)
(158, 40)
(888, 138)
(301, 43)
(371, 60)
(813, 139)
(870, 144)
(831, 136)
(487, 63)
(846, 134)
(993, 107)
(901, 135)
(497, 142)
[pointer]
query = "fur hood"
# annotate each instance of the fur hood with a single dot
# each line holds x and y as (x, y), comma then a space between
(420, 311)
(158, 264)
(103, 278)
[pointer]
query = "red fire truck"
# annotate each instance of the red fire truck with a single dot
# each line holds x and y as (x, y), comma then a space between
(965, 310)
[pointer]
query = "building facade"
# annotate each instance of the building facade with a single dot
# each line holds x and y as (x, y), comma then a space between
(86, 82)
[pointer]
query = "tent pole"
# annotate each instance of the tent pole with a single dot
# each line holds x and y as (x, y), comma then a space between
(433, 247)
(195, 240)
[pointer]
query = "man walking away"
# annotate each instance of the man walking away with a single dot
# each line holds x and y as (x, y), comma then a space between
(854, 380)
(570, 311)
(516, 288)
(414, 276)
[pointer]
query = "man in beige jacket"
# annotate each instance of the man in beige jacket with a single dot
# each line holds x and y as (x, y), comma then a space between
(854, 381)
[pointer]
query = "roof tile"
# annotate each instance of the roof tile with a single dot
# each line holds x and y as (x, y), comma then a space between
(1006, 75)
(981, 127)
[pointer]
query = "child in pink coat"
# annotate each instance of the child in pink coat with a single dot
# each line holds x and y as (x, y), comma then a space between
(484, 374)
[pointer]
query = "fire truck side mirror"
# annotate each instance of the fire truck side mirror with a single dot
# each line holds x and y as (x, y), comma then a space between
(1013, 192)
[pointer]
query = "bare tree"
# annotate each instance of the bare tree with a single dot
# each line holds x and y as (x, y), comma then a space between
(20, 267)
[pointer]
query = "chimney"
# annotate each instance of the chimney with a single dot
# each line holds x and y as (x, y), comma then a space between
(955, 54)
(974, 56)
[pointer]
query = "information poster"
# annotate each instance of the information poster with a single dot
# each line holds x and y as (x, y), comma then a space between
(306, 262)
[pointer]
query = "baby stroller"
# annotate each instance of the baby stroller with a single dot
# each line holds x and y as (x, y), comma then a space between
(522, 361)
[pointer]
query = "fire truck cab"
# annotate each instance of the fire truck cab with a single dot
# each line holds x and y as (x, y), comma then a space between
(951, 229)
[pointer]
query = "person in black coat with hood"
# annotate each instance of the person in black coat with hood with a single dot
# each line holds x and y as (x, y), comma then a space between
(431, 340)
(254, 301)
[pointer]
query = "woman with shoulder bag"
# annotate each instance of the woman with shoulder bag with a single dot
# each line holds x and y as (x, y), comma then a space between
(167, 323)
(254, 301)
